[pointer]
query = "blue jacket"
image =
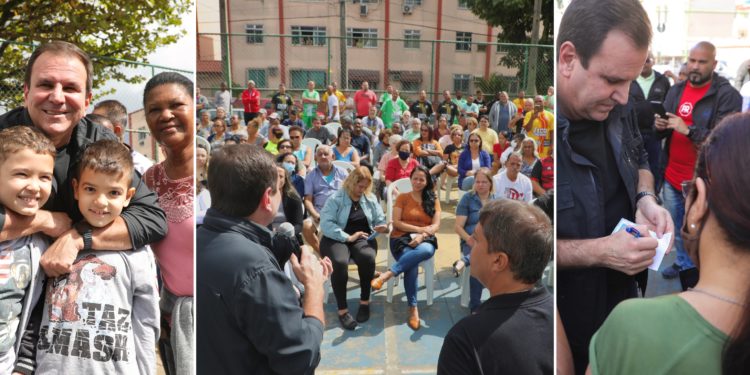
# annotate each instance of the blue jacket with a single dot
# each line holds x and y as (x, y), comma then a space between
(464, 163)
(335, 214)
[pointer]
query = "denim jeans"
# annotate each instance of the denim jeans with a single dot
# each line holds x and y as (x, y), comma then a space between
(475, 287)
(675, 204)
(407, 262)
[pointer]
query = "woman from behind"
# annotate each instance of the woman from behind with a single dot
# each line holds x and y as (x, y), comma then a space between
(706, 329)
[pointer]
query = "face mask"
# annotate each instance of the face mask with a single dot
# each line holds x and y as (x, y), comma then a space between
(403, 155)
(290, 167)
(278, 134)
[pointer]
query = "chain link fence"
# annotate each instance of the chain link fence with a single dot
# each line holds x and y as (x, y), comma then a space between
(410, 64)
(14, 57)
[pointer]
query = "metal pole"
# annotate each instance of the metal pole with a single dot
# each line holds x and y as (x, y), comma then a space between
(342, 42)
(432, 67)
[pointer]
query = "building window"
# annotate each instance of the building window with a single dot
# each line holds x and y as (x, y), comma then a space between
(361, 38)
(481, 47)
(366, 1)
(463, 4)
(410, 86)
(308, 35)
(412, 2)
(301, 77)
(463, 41)
(254, 34)
(142, 135)
(461, 82)
(411, 38)
(259, 76)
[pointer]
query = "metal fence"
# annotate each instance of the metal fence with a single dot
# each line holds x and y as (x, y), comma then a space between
(12, 67)
(409, 64)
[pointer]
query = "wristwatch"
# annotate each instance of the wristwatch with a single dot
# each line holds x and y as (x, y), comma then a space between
(84, 229)
(647, 193)
(690, 132)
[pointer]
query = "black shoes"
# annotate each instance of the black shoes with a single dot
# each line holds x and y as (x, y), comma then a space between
(347, 322)
(363, 314)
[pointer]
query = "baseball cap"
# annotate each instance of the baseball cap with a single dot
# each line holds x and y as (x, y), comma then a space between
(273, 115)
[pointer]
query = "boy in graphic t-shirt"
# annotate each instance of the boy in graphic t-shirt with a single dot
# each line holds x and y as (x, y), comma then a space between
(27, 160)
(102, 317)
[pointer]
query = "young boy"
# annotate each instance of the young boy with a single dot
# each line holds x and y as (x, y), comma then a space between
(27, 160)
(102, 317)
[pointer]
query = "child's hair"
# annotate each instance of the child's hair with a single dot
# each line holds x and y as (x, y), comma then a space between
(18, 138)
(107, 156)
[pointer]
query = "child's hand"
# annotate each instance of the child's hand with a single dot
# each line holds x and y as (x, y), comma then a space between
(59, 257)
(53, 224)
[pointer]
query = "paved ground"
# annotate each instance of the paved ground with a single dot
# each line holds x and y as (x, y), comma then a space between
(385, 344)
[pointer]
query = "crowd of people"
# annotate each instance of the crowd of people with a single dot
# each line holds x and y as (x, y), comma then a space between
(633, 145)
(336, 158)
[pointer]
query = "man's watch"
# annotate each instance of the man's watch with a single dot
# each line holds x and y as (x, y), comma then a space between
(690, 132)
(84, 229)
(647, 193)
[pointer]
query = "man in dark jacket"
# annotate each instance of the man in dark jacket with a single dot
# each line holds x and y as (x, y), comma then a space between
(250, 319)
(57, 92)
(693, 107)
(649, 86)
(602, 167)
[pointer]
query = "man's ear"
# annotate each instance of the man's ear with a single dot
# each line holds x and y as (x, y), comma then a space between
(117, 128)
(566, 59)
(128, 196)
(500, 261)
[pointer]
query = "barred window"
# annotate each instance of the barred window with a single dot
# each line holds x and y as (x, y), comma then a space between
(254, 34)
(308, 35)
(461, 82)
(259, 76)
(412, 38)
(301, 77)
(463, 41)
(361, 38)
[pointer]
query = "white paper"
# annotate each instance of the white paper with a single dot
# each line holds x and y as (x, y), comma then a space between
(661, 248)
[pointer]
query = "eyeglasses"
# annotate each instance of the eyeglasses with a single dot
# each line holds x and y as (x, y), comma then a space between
(474, 141)
(293, 137)
(284, 146)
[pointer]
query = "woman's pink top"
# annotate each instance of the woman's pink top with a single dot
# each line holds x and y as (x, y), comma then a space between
(175, 252)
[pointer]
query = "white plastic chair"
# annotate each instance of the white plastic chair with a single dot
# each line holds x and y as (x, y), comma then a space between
(333, 128)
(312, 143)
(404, 186)
(344, 164)
(465, 285)
(448, 186)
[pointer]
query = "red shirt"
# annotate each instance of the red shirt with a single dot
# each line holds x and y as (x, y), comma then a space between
(251, 100)
(363, 101)
(393, 170)
(682, 151)
(499, 148)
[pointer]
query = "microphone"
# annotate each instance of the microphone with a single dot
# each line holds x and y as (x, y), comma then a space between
(285, 243)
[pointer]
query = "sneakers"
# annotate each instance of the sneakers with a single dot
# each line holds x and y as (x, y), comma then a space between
(347, 322)
(671, 272)
(363, 314)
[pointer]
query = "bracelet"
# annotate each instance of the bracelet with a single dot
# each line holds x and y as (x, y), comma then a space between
(647, 193)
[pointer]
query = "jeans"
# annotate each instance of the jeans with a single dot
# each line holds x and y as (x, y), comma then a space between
(407, 262)
(475, 287)
(675, 204)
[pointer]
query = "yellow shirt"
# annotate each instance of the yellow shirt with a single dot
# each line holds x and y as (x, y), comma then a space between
(489, 138)
(518, 102)
(339, 94)
(541, 131)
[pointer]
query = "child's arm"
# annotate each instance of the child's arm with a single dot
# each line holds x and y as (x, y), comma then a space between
(26, 356)
(15, 226)
(145, 310)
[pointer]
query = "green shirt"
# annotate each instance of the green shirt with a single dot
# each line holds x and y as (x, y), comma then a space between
(308, 109)
(663, 335)
(391, 111)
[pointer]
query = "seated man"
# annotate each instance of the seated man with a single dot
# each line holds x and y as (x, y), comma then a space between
(324, 180)
(509, 183)
(512, 332)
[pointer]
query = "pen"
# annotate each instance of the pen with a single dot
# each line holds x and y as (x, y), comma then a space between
(633, 231)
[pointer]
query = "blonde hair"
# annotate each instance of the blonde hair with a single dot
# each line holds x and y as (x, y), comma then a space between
(487, 173)
(356, 176)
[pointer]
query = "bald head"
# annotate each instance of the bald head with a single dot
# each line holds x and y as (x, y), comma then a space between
(701, 64)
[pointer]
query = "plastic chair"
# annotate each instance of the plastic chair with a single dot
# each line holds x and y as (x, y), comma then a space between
(404, 186)
(448, 186)
(312, 142)
(333, 128)
(344, 164)
(465, 286)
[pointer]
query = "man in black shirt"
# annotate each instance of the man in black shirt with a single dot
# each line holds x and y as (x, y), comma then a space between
(57, 93)
(512, 332)
(282, 102)
(448, 108)
(602, 168)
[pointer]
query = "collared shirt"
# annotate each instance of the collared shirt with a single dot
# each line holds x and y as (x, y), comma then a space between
(317, 186)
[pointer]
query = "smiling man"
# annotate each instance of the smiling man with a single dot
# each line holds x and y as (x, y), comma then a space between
(602, 168)
(57, 93)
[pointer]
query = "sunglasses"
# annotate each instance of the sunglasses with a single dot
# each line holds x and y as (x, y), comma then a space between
(285, 146)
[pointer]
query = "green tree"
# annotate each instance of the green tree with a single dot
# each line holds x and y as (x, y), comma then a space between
(516, 18)
(109, 30)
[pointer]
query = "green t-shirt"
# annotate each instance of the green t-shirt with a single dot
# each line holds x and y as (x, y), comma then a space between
(663, 335)
(309, 109)
(391, 111)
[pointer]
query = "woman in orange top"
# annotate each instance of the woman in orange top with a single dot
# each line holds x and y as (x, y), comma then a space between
(416, 219)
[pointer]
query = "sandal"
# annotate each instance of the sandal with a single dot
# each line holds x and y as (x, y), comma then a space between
(456, 271)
